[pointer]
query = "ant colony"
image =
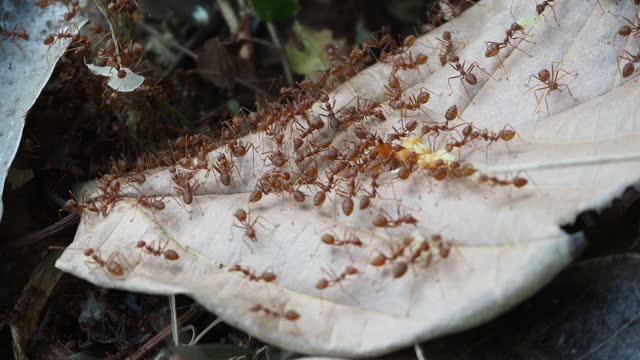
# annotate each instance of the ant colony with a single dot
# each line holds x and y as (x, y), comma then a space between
(329, 161)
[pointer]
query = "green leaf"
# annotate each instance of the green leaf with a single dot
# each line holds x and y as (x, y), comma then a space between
(211, 351)
(312, 58)
(275, 10)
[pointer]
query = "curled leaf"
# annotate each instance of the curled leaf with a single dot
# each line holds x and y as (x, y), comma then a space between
(452, 244)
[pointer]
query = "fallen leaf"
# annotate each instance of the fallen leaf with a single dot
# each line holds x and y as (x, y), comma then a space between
(26, 65)
(506, 241)
(275, 10)
(29, 305)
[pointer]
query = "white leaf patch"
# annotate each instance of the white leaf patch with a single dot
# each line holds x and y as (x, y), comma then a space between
(128, 83)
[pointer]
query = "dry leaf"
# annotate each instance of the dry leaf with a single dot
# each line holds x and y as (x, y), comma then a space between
(506, 241)
(25, 66)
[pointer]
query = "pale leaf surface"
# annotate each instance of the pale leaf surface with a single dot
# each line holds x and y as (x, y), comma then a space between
(507, 241)
(25, 67)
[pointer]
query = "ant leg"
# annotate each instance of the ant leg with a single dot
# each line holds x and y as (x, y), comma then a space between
(262, 218)
(467, 91)
(502, 65)
(554, 15)
(532, 76)
(93, 265)
(623, 57)
(449, 82)
(522, 51)
(244, 240)
(240, 175)
(565, 73)
(539, 101)
(546, 97)
(570, 93)
(475, 65)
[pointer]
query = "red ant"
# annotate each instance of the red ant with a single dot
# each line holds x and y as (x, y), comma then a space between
(546, 4)
(75, 8)
(325, 283)
(384, 220)
(266, 276)
(245, 223)
(629, 68)
(550, 83)
(111, 264)
(402, 64)
(183, 185)
(399, 268)
(224, 166)
(330, 239)
(290, 315)
(43, 3)
(516, 181)
(278, 158)
(161, 249)
(446, 47)
(73, 205)
(15, 33)
(238, 149)
(347, 201)
(321, 195)
(632, 29)
(365, 201)
(149, 204)
(465, 74)
(493, 48)
(52, 38)
(118, 5)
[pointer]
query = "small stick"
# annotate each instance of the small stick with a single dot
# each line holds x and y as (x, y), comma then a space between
(112, 28)
(283, 58)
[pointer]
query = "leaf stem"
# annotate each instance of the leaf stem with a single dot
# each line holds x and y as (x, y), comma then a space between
(562, 163)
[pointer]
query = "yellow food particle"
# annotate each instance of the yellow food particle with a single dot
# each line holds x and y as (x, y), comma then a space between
(426, 158)
(409, 142)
